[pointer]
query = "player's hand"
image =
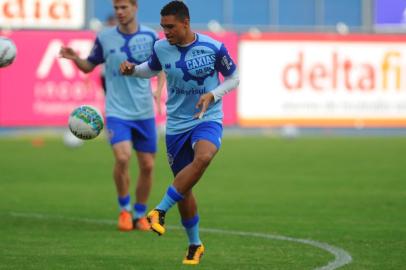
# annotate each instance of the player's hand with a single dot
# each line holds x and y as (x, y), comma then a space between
(68, 53)
(204, 103)
(127, 68)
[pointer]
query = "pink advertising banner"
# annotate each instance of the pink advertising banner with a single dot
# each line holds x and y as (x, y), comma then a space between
(41, 89)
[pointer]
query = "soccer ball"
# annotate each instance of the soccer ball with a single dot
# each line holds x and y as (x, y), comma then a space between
(8, 51)
(70, 140)
(86, 122)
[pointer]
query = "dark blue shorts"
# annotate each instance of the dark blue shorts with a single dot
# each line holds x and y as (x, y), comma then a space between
(179, 147)
(142, 133)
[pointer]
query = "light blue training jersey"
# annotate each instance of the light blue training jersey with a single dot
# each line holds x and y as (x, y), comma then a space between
(191, 71)
(127, 97)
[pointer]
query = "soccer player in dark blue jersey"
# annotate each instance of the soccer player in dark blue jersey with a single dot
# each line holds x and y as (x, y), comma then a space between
(129, 107)
(192, 63)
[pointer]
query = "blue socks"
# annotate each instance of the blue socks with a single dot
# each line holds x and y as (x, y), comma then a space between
(139, 210)
(192, 230)
(124, 203)
(171, 197)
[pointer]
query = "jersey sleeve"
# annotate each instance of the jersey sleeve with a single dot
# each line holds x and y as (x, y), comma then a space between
(224, 64)
(96, 55)
(153, 61)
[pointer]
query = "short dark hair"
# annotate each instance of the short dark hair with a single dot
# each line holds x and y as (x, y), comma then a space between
(176, 8)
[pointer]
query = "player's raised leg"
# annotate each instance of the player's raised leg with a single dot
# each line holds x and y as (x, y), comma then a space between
(156, 217)
(181, 192)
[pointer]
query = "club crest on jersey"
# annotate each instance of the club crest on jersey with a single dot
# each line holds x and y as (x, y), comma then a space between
(197, 63)
(138, 48)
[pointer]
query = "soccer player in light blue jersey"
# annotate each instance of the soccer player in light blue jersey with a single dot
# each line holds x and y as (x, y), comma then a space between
(192, 63)
(129, 107)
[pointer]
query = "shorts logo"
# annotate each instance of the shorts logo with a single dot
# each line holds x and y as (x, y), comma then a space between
(110, 134)
(198, 62)
(170, 159)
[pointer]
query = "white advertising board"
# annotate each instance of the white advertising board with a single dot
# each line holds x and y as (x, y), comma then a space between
(322, 80)
(42, 14)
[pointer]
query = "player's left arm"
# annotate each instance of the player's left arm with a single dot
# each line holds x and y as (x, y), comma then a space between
(230, 82)
(226, 66)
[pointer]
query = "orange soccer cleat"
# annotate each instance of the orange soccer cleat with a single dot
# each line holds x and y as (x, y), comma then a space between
(141, 224)
(125, 221)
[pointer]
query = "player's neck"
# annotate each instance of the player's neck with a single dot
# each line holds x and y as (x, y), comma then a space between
(129, 28)
(189, 39)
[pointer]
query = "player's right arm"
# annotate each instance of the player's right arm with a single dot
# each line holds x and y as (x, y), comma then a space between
(142, 70)
(83, 64)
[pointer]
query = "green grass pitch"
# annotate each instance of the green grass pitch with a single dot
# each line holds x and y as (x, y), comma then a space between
(58, 206)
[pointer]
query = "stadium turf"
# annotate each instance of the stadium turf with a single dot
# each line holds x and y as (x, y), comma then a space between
(58, 206)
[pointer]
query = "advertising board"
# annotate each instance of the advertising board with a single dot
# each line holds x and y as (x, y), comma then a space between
(40, 88)
(42, 14)
(322, 80)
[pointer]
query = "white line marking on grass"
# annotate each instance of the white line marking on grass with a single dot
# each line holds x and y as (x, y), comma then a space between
(342, 257)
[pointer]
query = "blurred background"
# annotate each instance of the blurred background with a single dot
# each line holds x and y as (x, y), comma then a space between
(305, 65)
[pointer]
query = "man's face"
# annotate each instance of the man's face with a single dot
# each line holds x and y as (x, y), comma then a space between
(175, 30)
(124, 11)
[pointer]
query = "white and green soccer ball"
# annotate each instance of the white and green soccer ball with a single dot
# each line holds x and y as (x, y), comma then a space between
(86, 122)
(70, 140)
(8, 52)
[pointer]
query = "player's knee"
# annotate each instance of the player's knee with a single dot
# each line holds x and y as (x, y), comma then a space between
(123, 159)
(203, 160)
(147, 166)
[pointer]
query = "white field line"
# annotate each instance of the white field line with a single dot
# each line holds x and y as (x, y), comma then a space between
(342, 257)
